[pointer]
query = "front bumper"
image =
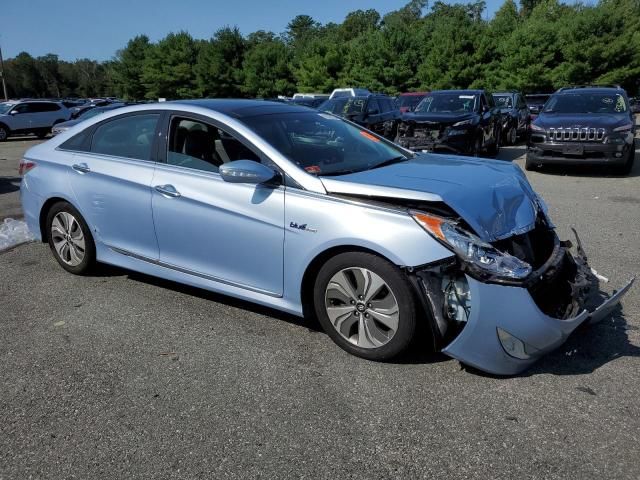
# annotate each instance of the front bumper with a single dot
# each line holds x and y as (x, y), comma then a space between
(513, 309)
(578, 153)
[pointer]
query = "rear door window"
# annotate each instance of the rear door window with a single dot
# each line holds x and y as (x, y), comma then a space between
(130, 136)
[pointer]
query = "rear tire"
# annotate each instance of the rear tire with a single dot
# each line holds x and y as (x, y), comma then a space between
(70, 239)
(366, 305)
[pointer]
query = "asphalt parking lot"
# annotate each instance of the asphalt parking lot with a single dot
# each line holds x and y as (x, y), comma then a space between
(120, 375)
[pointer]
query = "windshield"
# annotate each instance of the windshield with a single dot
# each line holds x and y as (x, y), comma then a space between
(409, 102)
(323, 144)
(344, 106)
(447, 103)
(503, 101)
(586, 103)
(534, 100)
(6, 107)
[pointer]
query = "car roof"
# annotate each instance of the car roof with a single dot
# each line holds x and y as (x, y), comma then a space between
(240, 108)
(410, 94)
(461, 92)
(589, 90)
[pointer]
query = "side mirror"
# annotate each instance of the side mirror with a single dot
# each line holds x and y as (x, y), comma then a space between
(14, 112)
(246, 171)
(535, 110)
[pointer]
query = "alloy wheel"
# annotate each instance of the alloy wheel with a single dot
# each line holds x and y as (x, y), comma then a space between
(513, 136)
(3, 134)
(362, 307)
(68, 239)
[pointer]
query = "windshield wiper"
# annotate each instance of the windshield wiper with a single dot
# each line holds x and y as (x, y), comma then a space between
(391, 161)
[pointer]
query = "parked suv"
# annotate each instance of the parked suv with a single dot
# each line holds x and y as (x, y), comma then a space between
(466, 122)
(30, 116)
(584, 125)
(515, 115)
(376, 112)
(535, 102)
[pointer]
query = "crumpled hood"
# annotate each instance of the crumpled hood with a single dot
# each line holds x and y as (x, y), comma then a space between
(492, 196)
(598, 120)
(417, 117)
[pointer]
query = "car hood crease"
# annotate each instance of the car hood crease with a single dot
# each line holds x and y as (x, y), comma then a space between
(492, 196)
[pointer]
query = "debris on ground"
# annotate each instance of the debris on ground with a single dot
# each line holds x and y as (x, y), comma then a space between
(14, 232)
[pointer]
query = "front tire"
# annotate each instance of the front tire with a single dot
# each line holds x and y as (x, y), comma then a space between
(627, 166)
(529, 164)
(4, 133)
(366, 305)
(70, 239)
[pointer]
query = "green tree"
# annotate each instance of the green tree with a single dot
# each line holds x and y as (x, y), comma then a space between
(266, 66)
(219, 64)
(167, 70)
(126, 69)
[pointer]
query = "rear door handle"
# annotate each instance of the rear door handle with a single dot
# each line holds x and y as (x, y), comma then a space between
(81, 168)
(167, 190)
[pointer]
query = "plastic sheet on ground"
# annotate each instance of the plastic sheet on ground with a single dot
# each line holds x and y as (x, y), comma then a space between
(14, 232)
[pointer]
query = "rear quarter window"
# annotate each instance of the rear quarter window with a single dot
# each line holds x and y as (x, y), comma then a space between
(130, 136)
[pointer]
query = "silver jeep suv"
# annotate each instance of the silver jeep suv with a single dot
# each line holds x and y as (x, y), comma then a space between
(30, 116)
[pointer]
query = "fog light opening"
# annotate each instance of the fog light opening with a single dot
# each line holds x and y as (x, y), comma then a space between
(513, 346)
(457, 298)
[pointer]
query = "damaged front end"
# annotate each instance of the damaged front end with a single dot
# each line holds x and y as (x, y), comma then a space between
(427, 136)
(501, 324)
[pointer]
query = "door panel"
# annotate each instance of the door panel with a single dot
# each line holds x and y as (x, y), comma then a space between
(231, 232)
(22, 119)
(115, 196)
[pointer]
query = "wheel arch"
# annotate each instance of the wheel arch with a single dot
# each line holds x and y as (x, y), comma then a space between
(44, 211)
(311, 272)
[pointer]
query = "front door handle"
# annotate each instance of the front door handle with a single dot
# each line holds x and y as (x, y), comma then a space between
(81, 168)
(167, 190)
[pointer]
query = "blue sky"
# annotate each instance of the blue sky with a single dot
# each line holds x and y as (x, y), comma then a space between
(97, 28)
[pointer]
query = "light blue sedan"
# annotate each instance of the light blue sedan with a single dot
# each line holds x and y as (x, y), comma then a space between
(308, 213)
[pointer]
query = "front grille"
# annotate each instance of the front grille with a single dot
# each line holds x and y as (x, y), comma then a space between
(576, 134)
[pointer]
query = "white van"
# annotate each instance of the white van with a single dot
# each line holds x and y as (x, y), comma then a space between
(349, 92)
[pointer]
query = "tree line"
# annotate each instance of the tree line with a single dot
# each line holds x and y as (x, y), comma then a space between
(536, 45)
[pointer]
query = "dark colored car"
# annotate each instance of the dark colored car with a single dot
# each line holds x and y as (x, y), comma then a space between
(515, 115)
(466, 122)
(584, 125)
(535, 102)
(76, 111)
(84, 115)
(635, 105)
(407, 102)
(376, 112)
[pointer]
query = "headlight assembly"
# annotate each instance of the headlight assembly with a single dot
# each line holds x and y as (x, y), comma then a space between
(463, 123)
(472, 250)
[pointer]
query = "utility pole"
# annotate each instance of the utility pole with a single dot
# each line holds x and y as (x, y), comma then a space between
(4, 85)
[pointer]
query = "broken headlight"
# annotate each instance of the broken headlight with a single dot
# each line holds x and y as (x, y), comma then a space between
(472, 250)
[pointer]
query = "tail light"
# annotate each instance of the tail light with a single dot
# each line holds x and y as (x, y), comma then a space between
(25, 166)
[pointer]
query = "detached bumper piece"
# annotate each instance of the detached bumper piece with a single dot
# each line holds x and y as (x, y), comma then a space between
(509, 327)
